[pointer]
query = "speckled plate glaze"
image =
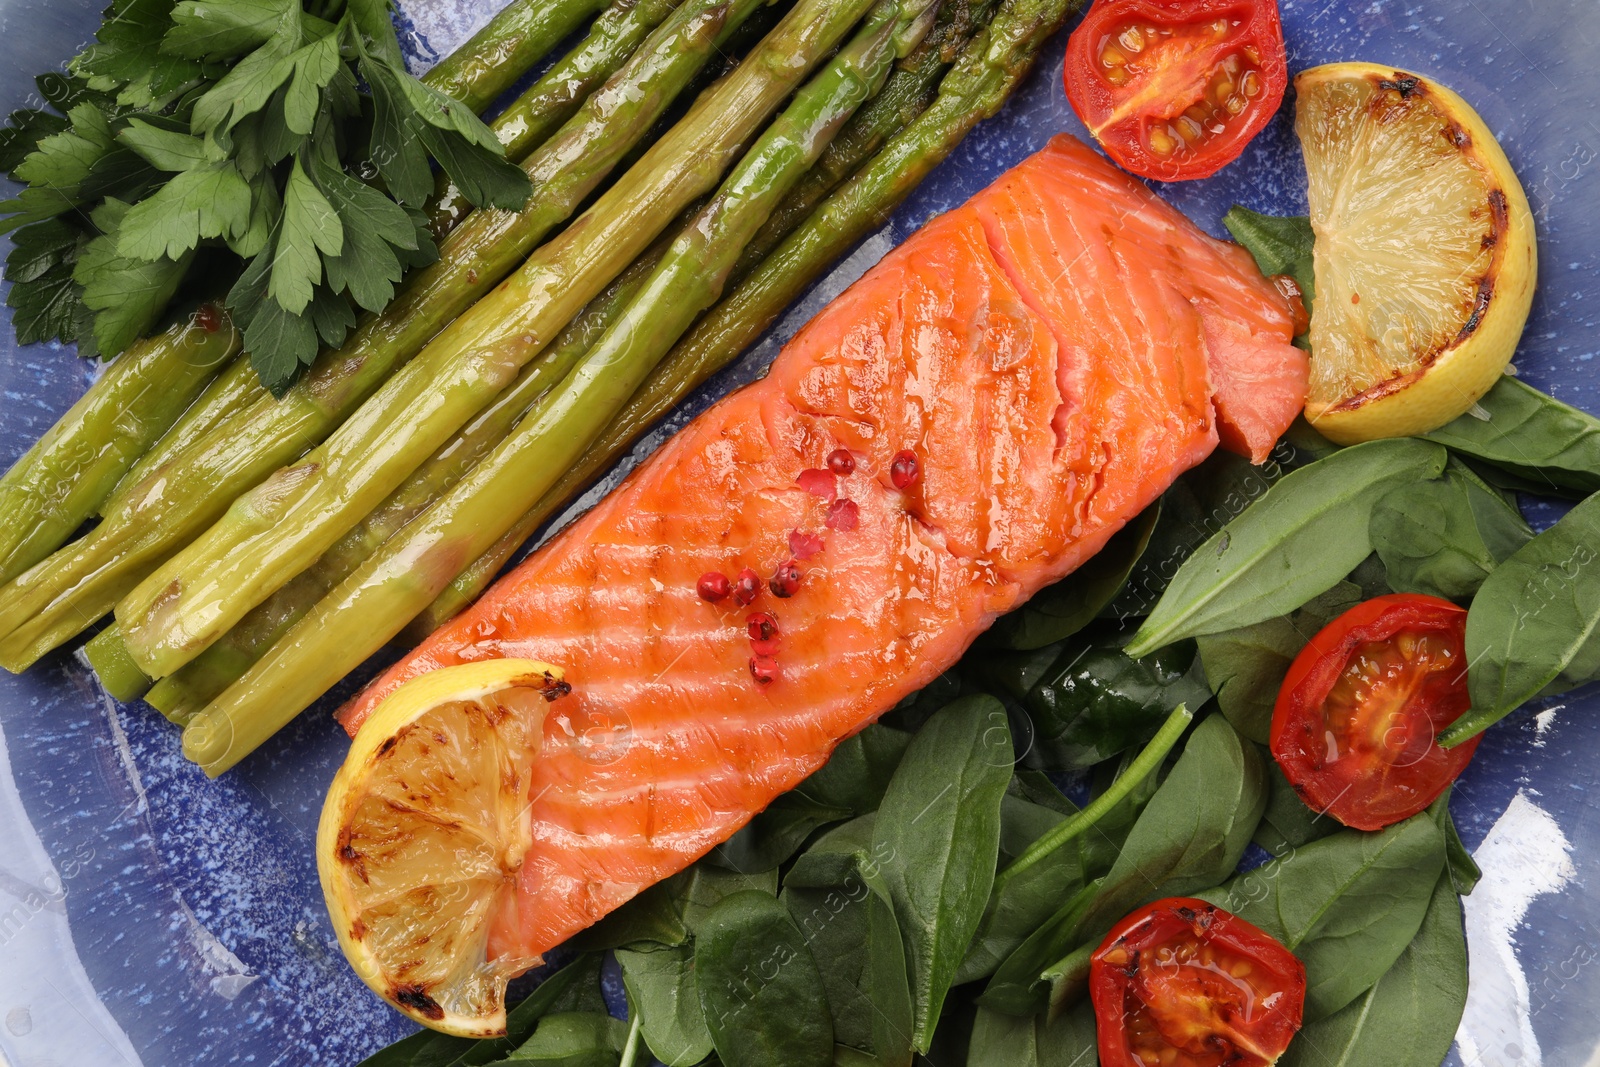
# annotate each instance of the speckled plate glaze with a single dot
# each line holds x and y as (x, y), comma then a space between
(150, 916)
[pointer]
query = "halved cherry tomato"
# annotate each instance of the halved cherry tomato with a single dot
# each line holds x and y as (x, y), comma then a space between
(1356, 718)
(1182, 983)
(1174, 89)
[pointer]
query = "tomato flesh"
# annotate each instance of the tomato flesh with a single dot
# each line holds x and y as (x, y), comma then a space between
(1182, 983)
(1174, 89)
(1357, 718)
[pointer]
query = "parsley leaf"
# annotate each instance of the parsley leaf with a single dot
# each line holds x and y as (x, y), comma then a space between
(127, 295)
(43, 295)
(374, 227)
(310, 225)
(127, 56)
(209, 201)
(167, 150)
(222, 29)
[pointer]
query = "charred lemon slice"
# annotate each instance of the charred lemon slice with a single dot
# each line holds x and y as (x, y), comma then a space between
(423, 833)
(1424, 255)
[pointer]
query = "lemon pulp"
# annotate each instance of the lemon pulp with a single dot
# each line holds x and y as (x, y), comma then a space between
(423, 833)
(1424, 255)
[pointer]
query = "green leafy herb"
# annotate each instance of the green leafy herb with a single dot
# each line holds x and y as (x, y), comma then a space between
(1001, 1040)
(938, 831)
(660, 984)
(1096, 701)
(760, 990)
(1546, 443)
(233, 127)
(1279, 245)
(574, 1039)
(1194, 830)
(1245, 667)
(1444, 537)
(1533, 623)
(1409, 1016)
(1346, 905)
(1305, 534)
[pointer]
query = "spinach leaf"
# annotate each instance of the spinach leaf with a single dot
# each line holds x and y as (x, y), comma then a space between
(1197, 505)
(1245, 667)
(760, 990)
(835, 924)
(1001, 1040)
(1464, 870)
(660, 984)
(1347, 905)
(565, 990)
(1534, 622)
(1194, 830)
(888, 979)
(1017, 908)
(851, 783)
(1280, 245)
(838, 856)
(1061, 610)
(938, 830)
(1444, 537)
(1017, 987)
(774, 835)
(1531, 435)
(1305, 533)
(1409, 1017)
(1287, 822)
(573, 1039)
(1095, 701)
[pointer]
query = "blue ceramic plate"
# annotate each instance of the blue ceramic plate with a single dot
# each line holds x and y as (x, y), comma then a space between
(148, 915)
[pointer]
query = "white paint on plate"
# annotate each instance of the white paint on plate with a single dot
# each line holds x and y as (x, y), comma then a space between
(49, 1012)
(1525, 856)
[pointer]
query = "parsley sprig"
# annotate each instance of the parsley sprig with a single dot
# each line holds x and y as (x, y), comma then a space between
(277, 145)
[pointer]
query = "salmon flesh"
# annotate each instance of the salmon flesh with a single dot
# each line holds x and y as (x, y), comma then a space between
(1052, 355)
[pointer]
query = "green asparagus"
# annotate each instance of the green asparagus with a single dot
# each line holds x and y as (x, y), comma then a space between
(529, 120)
(68, 592)
(72, 472)
(276, 530)
(67, 474)
(989, 69)
(374, 603)
(183, 693)
(514, 40)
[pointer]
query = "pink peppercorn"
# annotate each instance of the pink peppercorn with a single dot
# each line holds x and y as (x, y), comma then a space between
(841, 462)
(713, 586)
(746, 586)
(786, 582)
(904, 470)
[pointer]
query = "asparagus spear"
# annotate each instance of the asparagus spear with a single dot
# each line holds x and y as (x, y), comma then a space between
(514, 40)
(275, 531)
(69, 474)
(529, 120)
(181, 694)
(988, 70)
(373, 604)
(149, 520)
(66, 475)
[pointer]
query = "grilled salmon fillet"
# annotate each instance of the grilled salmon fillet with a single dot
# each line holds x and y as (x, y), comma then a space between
(1050, 355)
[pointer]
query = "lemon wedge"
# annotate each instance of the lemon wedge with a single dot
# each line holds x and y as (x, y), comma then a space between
(1424, 257)
(422, 835)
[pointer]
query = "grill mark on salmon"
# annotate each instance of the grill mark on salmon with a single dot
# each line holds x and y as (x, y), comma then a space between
(1046, 350)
